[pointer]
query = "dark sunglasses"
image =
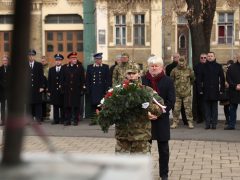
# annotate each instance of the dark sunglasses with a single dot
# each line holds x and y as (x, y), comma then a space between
(203, 57)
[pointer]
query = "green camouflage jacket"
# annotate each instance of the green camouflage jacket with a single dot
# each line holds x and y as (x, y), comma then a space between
(140, 128)
(183, 78)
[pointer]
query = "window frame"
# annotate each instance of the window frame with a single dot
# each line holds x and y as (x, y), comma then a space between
(225, 25)
(139, 30)
(121, 27)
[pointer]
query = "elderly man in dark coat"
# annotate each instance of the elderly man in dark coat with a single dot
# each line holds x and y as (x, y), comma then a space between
(97, 80)
(164, 86)
(36, 79)
(4, 73)
(73, 81)
(55, 89)
(210, 79)
(233, 79)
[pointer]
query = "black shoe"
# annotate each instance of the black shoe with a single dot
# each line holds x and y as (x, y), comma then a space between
(207, 127)
(92, 123)
(54, 122)
(74, 123)
(66, 123)
(229, 128)
(214, 127)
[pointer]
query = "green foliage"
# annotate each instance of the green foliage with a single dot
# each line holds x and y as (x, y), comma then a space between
(122, 104)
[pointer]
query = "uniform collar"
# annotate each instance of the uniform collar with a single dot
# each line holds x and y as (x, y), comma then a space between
(97, 65)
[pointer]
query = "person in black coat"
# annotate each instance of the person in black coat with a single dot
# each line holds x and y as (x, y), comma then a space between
(168, 71)
(233, 79)
(163, 84)
(210, 79)
(97, 81)
(36, 79)
(55, 89)
(4, 73)
(198, 102)
(73, 81)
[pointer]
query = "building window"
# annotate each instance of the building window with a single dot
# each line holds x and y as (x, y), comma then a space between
(120, 29)
(63, 19)
(63, 42)
(182, 41)
(225, 28)
(5, 42)
(139, 29)
(6, 19)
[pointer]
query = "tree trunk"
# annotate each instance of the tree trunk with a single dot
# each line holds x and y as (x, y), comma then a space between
(200, 19)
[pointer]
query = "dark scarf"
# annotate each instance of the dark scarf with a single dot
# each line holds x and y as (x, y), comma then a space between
(154, 80)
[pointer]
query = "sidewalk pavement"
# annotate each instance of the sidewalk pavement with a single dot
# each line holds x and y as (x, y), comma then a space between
(205, 160)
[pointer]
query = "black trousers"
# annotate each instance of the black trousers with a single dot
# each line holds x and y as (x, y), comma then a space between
(3, 109)
(71, 114)
(163, 152)
(36, 111)
(58, 114)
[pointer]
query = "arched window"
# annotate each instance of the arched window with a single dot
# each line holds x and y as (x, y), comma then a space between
(182, 41)
(63, 19)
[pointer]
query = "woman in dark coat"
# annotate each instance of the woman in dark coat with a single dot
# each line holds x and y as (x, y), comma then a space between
(163, 84)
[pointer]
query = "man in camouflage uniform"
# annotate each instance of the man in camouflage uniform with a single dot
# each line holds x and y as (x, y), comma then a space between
(134, 136)
(183, 77)
(119, 71)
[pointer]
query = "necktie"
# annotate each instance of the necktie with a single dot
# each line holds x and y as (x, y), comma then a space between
(31, 65)
(5, 69)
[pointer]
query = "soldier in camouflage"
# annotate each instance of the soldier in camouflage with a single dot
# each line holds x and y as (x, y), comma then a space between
(134, 137)
(120, 70)
(183, 77)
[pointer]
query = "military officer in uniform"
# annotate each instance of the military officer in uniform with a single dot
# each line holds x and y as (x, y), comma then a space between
(36, 86)
(97, 81)
(55, 89)
(135, 136)
(73, 80)
(120, 69)
(183, 78)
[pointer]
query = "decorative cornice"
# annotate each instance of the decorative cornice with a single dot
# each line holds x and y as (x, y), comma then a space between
(50, 2)
(6, 4)
(73, 2)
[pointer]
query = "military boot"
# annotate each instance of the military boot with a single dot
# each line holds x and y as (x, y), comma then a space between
(190, 125)
(174, 125)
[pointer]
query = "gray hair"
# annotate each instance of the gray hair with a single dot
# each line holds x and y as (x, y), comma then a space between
(155, 60)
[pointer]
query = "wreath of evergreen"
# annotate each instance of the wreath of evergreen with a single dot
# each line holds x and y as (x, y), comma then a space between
(122, 104)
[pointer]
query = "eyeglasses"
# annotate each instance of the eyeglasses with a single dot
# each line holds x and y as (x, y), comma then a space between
(203, 57)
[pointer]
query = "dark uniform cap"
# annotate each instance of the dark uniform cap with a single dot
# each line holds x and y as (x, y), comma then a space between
(98, 56)
(32, 52)
(72, 54)
(58, 57)
(132, 68)
(125, 55)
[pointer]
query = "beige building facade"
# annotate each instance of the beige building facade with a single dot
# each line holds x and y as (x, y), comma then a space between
(131, 26)
(57, 27)
(224, 36)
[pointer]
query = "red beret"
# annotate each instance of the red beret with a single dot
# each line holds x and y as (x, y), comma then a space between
(72, 55)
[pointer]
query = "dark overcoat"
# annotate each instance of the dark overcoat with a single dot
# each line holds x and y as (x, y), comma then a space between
(4, 75)
(161, 126)
(97, 82)
(54, 86)
(233, 78)
(72, 82)
(36, 79)
(211, 80)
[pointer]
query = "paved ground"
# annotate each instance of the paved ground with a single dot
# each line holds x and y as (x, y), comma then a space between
(205, 160)
(195, 154)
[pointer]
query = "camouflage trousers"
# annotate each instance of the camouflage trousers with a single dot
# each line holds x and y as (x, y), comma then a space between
(132, 147)
(187, 102)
